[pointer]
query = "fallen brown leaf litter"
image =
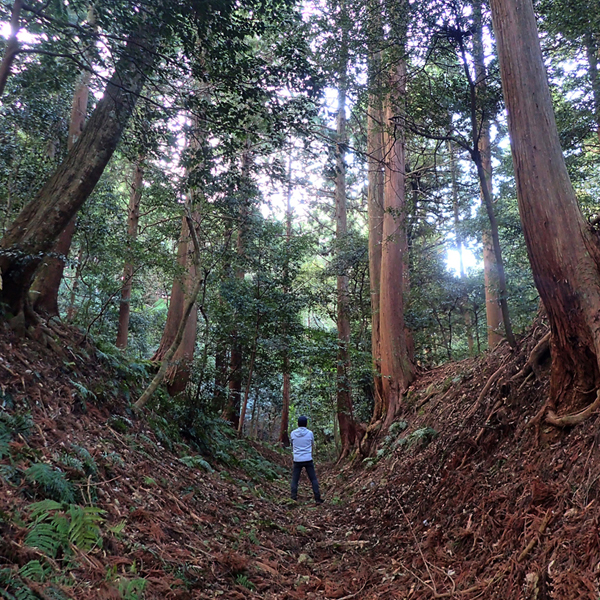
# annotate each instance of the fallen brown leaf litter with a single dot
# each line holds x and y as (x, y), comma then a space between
(468, 501)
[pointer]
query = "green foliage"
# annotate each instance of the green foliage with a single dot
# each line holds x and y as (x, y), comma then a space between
(36, 571)
(196, 462)
(10, 427)
(50, 482)
(58, 526)
(243, 580)
(131, 589)
(13, 588)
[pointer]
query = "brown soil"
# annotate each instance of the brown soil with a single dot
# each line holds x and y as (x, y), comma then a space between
(487, 507)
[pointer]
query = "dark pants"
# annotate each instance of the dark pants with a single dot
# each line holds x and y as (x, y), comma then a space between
(310, 471)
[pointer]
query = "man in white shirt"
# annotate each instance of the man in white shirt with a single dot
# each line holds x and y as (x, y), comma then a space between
(303, 443)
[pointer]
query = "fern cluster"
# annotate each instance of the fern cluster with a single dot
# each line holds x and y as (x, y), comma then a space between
(57, 527)
(15, 585)
(51, 482)
(10, 427)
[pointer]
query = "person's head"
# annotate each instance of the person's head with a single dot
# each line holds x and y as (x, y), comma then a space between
(302, 421)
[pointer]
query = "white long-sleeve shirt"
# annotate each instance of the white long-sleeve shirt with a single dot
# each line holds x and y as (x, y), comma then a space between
(302, 444)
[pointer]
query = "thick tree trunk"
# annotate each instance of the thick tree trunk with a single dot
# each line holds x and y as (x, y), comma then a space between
(12, 46)
(38, 225)
(132, 228)
(563, 250)
(396, 367)
(189, 306)
(177, 299)
(219, 393)
(375, 211)
(179, 371)
(231, 412)
(49, 276)
(344, 394)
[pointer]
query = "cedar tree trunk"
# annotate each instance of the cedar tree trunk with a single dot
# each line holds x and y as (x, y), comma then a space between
(375, 209)
(38, 225)
(396, 367)
(494, 275)
(563, 249)
(179, 370)
(344, 395)
(49, 276)
(132, 228)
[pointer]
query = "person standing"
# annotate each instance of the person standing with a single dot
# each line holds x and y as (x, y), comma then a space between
(303, 443)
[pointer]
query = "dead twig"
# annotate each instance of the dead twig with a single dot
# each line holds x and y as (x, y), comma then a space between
(534, 541)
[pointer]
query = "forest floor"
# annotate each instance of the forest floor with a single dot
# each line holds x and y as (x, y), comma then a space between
(464, 499)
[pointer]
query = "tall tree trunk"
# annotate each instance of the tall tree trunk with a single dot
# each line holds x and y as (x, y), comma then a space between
(179, 371)
(49, 276)
(283, 438)
(189, 305)
(563, 250)
(396, 367)
(133, 218)
(592, 53)
(464, 302)
(375, 199)
(495, 278)
(240, 428)
(12, 46)
(232, 409)
(344, 395)
(38, 225)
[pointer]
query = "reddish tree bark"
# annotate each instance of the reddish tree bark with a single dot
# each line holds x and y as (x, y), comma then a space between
(38, 225)
(396, 367)
(563, 249)
(49, 276)
(498, 317)
(344, 394)
(132, 228)
(178, 373)
(375, 199)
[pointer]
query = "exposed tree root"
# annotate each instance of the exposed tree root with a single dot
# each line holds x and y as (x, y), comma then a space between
(486, 388)
(574, 418)
(536, 358)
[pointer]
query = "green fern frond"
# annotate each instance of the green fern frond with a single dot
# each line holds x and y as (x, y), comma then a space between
(57, 527)
(51, 482)
(196, 462)
(36, 571)
(5, 438)
(46, 538)
(11, 474)
(88, 460)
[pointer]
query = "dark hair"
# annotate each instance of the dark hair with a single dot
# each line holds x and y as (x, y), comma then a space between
(302, 421)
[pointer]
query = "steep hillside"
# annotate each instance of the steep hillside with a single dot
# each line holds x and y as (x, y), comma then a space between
(464, 499)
